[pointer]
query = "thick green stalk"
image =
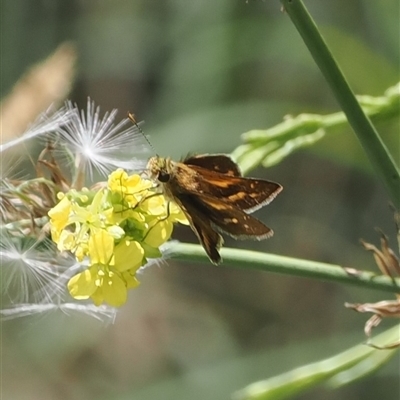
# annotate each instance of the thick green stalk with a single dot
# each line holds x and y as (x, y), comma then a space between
(246, 259)
(369, 138)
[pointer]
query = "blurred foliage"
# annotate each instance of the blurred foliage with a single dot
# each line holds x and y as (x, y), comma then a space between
(270, 146)
(339, 370)
(201, 74)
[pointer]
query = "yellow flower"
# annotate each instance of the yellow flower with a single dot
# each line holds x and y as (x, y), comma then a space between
(99, 284)
(120, 215)
(97, 214)
(81, 251)
(66, 241)
(128, 256)
(59, 216)
(155, 205)
(159, 233)
(112, 290)
(130, 188)
(177, 215)
(112, 271)
(101, 248)
(130, 279)
(83, 285)
(119, 181)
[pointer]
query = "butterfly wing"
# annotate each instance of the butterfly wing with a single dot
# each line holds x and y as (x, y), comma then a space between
(216, 199)
(202, 227)
(229, 219)
(247, 194)
(217, 162)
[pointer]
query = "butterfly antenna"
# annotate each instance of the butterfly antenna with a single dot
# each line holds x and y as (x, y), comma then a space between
(133, 119)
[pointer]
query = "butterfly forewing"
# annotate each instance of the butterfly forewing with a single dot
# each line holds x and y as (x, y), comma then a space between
(216, 162)
(244, 193)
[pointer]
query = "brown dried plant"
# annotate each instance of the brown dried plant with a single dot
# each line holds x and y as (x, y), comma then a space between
(45, 84)
(27, 201)
(389, 265)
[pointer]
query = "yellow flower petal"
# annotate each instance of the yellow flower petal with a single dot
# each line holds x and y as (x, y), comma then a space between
(59, 214)
(81, 251)
(179, 217)
(55, 233)
(97, 202)
(66, 241)
(82, 285)
(132, 182)
(114, 290)
(159, 233)
(101, 247)
(128, 255)
(60, 209)
(116, 179)
(116, 232)
(98, 297)
(130, 279)
(155, 205)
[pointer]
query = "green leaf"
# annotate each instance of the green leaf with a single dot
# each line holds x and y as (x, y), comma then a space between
(336, 371)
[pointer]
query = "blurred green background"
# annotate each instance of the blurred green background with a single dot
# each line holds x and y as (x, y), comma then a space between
(200, 74)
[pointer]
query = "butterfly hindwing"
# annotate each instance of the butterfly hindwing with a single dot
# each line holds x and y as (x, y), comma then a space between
(231, 220)
(209, 238)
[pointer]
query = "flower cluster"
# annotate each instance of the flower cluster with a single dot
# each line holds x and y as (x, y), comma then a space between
(115, 229)
(100, 236)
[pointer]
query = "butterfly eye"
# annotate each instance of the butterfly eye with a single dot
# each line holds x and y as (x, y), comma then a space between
(163, 177)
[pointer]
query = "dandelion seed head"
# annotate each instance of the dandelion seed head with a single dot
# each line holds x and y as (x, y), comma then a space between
(99, 144)
(45, 123)
(102, 313)
(10, 169)
(26, 266)
(41, 295)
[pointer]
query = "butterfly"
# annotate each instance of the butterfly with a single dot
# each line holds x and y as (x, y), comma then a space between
(215, 197)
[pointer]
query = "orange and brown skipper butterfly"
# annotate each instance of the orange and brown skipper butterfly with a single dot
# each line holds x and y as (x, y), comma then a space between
(215, 197)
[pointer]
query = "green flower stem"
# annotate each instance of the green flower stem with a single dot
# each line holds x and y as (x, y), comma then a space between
(369, 138)
(246, 259)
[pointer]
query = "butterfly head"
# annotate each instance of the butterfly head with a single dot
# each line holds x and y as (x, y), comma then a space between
(160, 169)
